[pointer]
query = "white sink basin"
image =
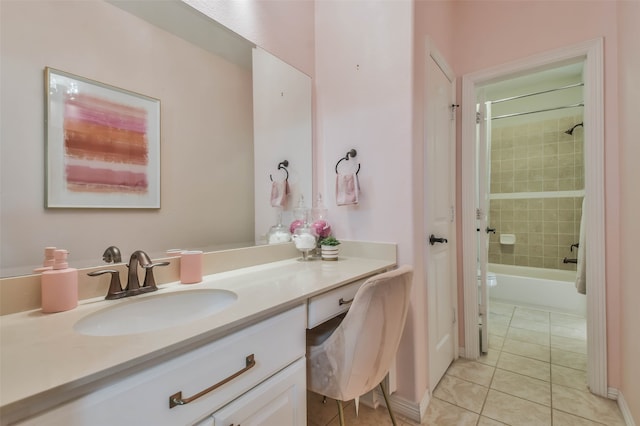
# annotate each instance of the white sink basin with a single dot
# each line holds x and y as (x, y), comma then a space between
(155, 312)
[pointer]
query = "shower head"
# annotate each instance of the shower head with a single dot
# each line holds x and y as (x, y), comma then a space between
(570, 131)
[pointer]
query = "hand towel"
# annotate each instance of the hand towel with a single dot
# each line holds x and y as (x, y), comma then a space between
(347, 189)
(581, 275)
(279, 192)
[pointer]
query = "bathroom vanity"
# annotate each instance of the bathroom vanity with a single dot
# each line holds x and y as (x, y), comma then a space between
(242, 365)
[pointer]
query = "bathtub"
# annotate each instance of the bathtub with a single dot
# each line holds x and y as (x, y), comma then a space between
(551, 289)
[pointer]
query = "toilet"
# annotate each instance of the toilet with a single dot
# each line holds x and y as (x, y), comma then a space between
(491, 282)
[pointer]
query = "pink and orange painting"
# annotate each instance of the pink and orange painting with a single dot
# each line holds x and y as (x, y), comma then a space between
(102, 145)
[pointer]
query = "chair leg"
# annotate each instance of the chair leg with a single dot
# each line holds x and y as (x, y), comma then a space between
(340, 412)
(386, 401)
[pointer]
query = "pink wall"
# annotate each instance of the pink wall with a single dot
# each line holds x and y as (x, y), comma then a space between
(364, 101)
(284, 28)
(629, 101)
(489, 33)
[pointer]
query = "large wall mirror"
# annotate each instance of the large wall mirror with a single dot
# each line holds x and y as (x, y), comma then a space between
(230, 112)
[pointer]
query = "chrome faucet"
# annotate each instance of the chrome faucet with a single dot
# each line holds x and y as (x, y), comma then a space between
(138, 258)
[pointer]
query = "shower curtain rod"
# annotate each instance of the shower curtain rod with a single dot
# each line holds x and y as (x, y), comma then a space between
(536, 93)
(534, 112)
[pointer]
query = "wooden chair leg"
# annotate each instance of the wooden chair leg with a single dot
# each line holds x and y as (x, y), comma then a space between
(340, 412)
(386, 401)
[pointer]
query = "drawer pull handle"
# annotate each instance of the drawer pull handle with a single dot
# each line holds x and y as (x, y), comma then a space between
(344, 302)
(176, 398)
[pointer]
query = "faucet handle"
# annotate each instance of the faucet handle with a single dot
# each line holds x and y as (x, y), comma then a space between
(115, 288)
(149, 280)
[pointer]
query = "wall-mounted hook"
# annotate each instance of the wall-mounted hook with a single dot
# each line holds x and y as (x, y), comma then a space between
(282, 166)
(351, 153)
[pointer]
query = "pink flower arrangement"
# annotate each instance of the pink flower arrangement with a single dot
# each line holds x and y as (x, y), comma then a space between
(295, 225)
(321, 228)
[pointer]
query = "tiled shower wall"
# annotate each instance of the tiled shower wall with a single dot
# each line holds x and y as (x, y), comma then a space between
(529, 158)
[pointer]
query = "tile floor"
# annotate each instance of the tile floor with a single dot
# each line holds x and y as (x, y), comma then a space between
(533, 374)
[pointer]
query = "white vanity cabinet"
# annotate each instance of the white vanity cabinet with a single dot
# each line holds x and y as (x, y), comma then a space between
(265, 362)
(279, 401)
(332, 303)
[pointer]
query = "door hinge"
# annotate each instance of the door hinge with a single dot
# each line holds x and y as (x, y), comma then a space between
(454, 315)
(452, 216)
(478, 117)
(453, 111)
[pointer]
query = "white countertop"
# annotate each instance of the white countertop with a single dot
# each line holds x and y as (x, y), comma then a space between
(41, 355)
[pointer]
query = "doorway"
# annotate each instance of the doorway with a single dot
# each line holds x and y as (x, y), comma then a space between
(475, 212)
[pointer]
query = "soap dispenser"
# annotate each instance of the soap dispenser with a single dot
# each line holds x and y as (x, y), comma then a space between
(59, 285)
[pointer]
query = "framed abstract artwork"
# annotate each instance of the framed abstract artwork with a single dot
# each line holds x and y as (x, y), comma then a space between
(102, 145)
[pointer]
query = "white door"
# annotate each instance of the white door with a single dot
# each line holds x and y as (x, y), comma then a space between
(440, 261)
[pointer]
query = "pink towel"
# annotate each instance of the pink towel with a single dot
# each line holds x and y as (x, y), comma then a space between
(279, 192)
(347, 189)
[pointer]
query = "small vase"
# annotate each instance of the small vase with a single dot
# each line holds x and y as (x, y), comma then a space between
(329, 252)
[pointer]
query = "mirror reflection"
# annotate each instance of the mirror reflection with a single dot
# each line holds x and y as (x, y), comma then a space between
(215, 182)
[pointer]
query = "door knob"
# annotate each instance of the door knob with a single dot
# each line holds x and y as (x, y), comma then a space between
(491, 230)
(433, 239)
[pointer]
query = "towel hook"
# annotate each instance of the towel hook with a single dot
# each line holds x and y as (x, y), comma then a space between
(282, 166)
(351, 153)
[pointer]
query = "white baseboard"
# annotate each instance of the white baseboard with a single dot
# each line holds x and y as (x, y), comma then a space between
(624, 408)
(612, 393)
(409, 409)
(461, 352)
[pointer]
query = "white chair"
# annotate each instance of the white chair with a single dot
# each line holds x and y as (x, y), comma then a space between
(352, 359)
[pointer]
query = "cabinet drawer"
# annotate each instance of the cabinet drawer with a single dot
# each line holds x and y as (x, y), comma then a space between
(328, 305)
(279, 401)
(143, 398)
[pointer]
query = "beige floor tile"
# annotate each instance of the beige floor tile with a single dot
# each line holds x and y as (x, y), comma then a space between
(515, 411)
(569, 359)
(486, 421)
(530, 336)
(584, 404)
(530, 325)
(531, 315)
(441, 413)
(366, 416)
(319, 414)
(501, 308)
(499, 319)
(497, 329)
(471, 371)
(526, 366)
(490, 357)
(461, 393)
(570, 345)
(568, 377)
(529, 350)
(567, 320)
(572, 333)
(522, 386)
(495, 342)
(565, 419)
